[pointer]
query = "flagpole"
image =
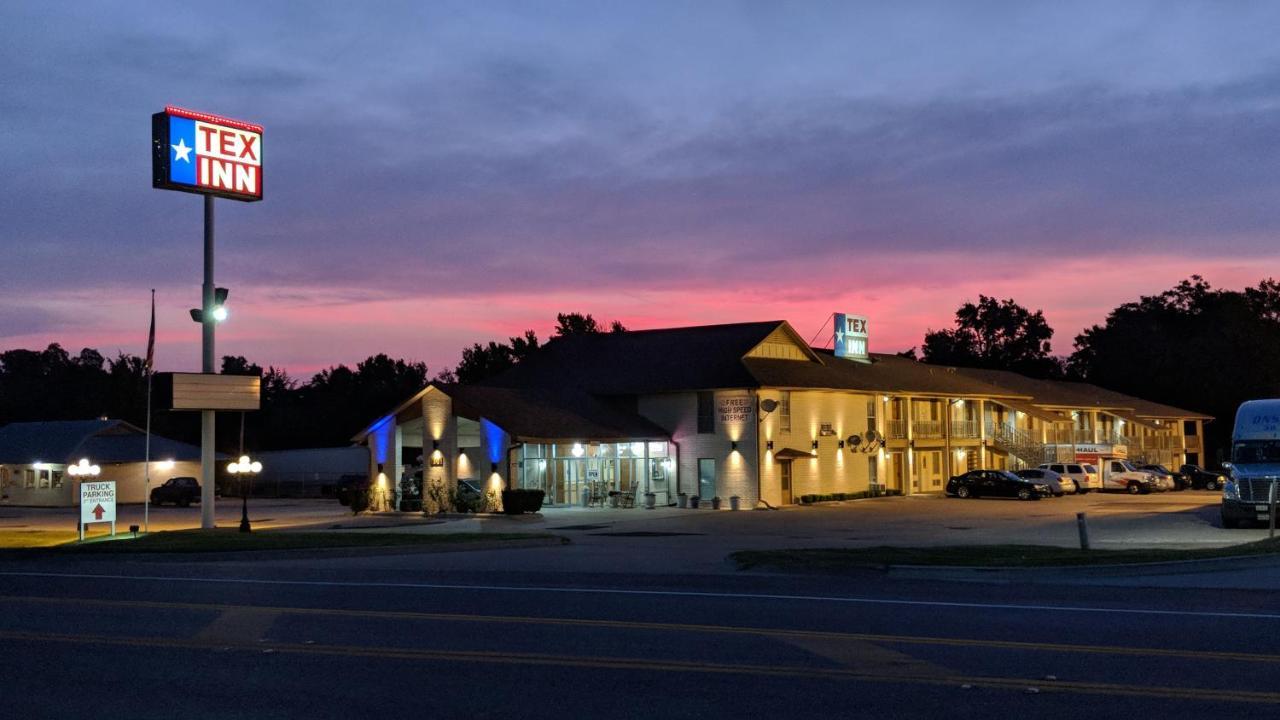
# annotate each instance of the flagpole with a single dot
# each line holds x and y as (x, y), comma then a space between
(146, 467)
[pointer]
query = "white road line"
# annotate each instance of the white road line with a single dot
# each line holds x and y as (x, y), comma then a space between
(659, 593)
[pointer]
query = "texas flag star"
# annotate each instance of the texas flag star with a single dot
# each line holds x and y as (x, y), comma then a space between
(181, 151)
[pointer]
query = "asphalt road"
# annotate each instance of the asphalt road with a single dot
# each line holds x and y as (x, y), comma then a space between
(318, 639)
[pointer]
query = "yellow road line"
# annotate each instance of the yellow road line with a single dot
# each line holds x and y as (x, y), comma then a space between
(614, 663)
(1212, 655)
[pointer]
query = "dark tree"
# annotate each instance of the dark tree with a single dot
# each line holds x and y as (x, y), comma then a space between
(1191, 347)
(576, 324)
(995, 334)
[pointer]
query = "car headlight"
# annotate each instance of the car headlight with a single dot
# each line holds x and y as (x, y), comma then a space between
(1230, 490)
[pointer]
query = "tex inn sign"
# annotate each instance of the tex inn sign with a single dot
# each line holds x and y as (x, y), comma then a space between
(851, 337)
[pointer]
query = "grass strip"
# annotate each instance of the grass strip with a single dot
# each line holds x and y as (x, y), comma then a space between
(834, 560)
(231, 540)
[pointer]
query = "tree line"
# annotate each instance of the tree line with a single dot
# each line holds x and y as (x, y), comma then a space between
(1192, 346)
(325, 410)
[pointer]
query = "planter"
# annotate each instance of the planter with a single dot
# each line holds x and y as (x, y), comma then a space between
(735, 502)
(682, 500)
(650, 500)
(694, 500)
(715, 503)
(515, 502)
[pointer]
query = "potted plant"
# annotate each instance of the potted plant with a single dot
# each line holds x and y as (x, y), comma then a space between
(715, 503)
(694, 501)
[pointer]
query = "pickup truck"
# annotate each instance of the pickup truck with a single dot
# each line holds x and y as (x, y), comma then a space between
(1123, 475)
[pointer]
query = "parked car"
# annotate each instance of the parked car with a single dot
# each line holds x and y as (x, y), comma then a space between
(1057, 483)
(1175, 480)
(1125, 476)
(1083, 477)
(181, 491)
(1202, 479)
(996, 483)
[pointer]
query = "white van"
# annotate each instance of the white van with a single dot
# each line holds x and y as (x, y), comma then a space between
(1255, 464)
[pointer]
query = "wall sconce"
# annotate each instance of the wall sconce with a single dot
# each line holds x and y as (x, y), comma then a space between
(462, 451)
(493, 467)
(733, 445)
(840, 444)
(435, 444)
(815, 444)
(768, 445)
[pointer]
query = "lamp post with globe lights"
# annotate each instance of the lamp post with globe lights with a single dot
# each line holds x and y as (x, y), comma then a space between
(244, 470)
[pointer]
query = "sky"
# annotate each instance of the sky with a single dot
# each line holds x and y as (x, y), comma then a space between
(438, 174)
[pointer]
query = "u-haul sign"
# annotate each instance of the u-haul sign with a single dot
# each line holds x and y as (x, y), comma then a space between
(202, 153)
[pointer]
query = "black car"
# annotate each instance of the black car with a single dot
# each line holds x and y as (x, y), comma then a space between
(1201, 479)
(996, 483)
(1180, 480)
(181, 491)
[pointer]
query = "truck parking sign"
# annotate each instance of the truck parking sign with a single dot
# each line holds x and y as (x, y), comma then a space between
(97, 504)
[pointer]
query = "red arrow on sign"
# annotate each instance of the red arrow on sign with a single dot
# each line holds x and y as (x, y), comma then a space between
(97, 512)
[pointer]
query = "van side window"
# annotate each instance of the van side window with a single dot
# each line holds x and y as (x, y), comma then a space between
(1074, 469)
(1057, 468)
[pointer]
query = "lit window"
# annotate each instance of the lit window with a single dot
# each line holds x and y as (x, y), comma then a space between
(784, 411)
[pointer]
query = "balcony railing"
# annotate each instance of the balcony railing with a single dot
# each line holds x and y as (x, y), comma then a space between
(1192, 443)
(896, 429)
(1060, 435)
(926, 429)
(964, 428)
(1082, 435)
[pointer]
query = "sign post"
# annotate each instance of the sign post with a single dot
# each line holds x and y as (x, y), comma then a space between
(216, 157)
(97, 504)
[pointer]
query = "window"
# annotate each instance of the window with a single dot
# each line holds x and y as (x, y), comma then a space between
(44, 478)
(29, 478)
(57, 478)
(784, 411)
(871, 414)
(873, 471)
(1189, 427)
(706, 478)
(706, 412)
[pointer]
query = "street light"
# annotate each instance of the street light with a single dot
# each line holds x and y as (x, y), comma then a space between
(248, 469)
(219, 307)
(83, 469)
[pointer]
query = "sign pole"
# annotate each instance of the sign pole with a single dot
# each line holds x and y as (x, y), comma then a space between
(208, 322)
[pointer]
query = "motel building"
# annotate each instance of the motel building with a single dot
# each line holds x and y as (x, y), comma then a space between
(751, 411)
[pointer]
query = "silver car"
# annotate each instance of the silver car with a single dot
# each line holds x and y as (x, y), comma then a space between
(1058, 484)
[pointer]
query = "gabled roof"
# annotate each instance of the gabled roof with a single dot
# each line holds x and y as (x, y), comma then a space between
(102, 441)
(705, 357)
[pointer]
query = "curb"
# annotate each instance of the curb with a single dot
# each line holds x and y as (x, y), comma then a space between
(1067, 572)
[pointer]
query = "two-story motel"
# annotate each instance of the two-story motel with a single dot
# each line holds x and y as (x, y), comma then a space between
(751, 410)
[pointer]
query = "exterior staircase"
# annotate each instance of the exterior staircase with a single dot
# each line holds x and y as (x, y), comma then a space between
(1021, 444)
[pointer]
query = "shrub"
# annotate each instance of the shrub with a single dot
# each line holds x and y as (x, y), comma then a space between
(359, 499)
(521, 500)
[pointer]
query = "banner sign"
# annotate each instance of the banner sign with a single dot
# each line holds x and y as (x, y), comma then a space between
(851, 337)
(201, 153)
(204, 391)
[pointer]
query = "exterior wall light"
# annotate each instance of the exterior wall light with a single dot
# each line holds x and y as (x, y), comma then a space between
(840, 444)
(578, 450)
(733, 445)
(815, 444)
(435, 444)
(493, 467)
(768, 445)
(82, 469)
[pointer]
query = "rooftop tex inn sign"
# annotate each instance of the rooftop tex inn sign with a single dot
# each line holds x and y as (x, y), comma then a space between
(207, 154)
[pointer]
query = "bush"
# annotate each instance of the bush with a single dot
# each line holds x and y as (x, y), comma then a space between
(468, 503)
(359, 499)
(521, 500)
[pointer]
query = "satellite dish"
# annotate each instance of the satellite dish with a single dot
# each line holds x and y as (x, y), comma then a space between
(872, 436)
(768, 405)
(853, 441)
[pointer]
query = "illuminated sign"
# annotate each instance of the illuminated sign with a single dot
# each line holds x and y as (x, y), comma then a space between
(201, 153)
(851, 337)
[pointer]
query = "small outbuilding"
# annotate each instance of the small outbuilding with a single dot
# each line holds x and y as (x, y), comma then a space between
(35, 456)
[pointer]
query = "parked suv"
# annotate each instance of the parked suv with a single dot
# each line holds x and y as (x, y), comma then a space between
(1076, 473)
(181, 491)
(1203, 479)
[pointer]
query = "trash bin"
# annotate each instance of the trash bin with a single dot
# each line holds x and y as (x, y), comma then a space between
(586, 497)
(694, 500)
(715, 503)
(682, 500)
(650, 500)
(735, 502)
